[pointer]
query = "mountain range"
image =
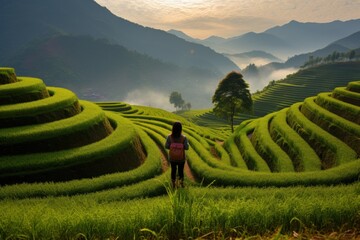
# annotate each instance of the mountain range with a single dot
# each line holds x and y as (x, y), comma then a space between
(99, 70)
(255, 57)
(277, 70)
(343, 45)
(281, 41)
(261, 49)
(32, 29)
(22, 21)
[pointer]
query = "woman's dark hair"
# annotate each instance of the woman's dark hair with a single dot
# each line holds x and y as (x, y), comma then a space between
(176, 130)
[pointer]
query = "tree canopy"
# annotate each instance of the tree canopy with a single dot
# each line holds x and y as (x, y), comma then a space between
(178, 101)
(232, 96)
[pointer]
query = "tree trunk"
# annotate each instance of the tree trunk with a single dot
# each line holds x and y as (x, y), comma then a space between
(232, 119)
(232, 123)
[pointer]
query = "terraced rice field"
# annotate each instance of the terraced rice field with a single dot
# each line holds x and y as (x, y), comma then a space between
(294, 88)
(292, 170)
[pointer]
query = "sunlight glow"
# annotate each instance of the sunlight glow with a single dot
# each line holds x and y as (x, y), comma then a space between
(227, 18)
(182, 2)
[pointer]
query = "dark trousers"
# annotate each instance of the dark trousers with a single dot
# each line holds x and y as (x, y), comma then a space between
(179, 166)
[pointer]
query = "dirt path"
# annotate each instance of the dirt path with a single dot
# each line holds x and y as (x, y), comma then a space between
(164, 162)
(187, 171)
(214, 153)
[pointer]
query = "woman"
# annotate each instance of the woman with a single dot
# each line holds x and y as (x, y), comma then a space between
(177, 144)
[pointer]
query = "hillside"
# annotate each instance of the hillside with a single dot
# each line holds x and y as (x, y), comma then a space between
(312, 36)
(98, 70)
(23, 22)
(342, 45)
(350, 42)
(33, 114)
(71, 158)
(305, 83)
(337, 51)
(144, 56)
(48, 134)
(258, 41)
(294, 88)
(255, 54)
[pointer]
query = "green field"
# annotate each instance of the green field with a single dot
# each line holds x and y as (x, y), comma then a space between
(285, 92)
(72, 169)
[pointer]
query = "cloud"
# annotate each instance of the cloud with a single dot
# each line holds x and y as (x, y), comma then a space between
(260, 82)
(245, 61)
(282, 73)
(148, 97)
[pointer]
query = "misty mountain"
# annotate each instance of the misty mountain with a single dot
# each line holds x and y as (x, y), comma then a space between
(342, 46)
(184, 36)
(257, 41)
(258, 76)
(245, 43)
(22, 21)
(299, 60)
(283, 41)
(213, 40)
(98, 70)
(207, 41)
(312, 36)
(256, 54)
(254, 57)
(350, 42)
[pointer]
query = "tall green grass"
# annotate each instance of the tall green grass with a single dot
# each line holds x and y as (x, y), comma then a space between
(186, 213)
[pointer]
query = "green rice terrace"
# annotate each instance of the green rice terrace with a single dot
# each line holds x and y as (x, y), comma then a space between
(73, 169)
(283, 93)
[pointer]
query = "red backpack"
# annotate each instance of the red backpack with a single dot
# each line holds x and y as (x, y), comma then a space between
(177, 151)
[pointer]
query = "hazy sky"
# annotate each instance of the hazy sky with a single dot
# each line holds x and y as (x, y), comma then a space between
(227, 18)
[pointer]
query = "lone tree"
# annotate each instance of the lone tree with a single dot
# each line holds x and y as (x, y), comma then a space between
(177, 100)
(187, 106)
(232, 96)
